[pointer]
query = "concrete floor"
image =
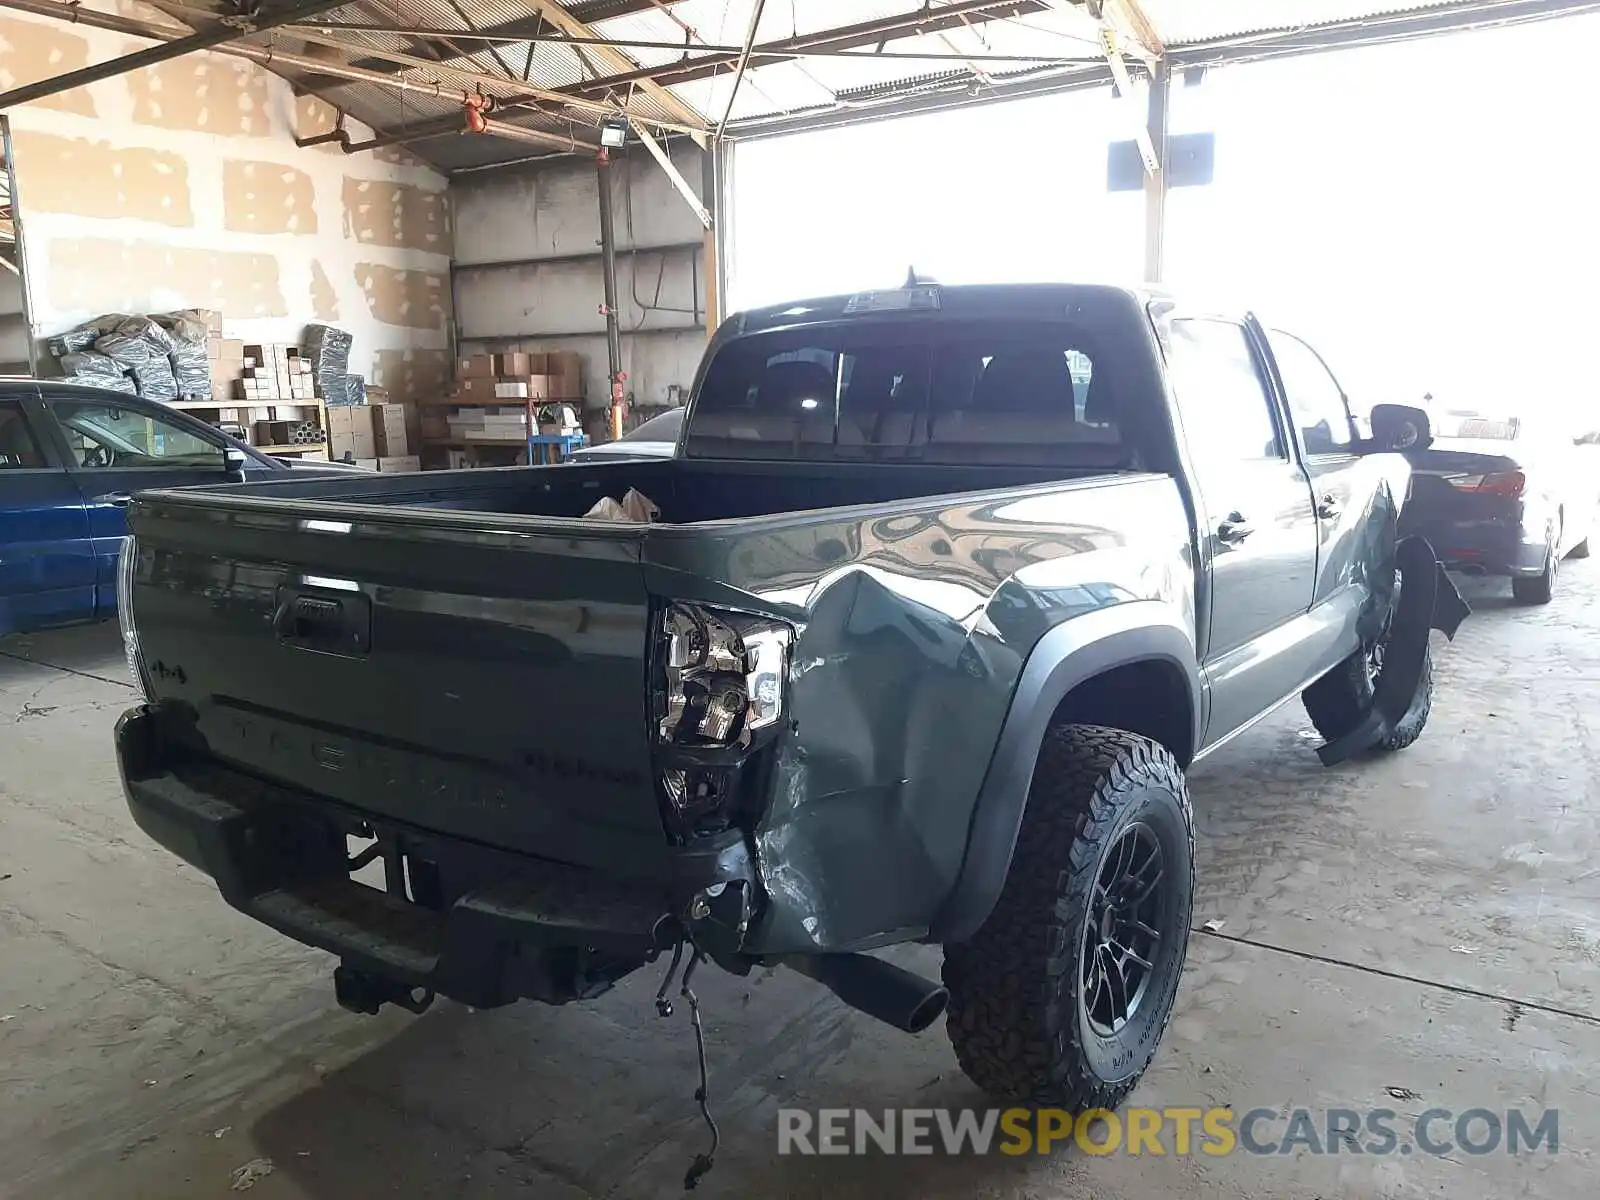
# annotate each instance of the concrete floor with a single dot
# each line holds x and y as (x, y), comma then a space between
(1428, 923)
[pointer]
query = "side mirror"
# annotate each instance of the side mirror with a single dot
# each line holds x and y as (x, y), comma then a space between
(233, 461)
(1400, 427)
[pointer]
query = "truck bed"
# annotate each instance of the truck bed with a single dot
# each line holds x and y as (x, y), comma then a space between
(686, 491)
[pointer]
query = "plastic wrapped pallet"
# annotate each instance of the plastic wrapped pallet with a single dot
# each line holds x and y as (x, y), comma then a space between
(328, 347)
(81, 337)
(355, 389)
(116, 383)
(154, 379)
(191, 364)
(80, 363)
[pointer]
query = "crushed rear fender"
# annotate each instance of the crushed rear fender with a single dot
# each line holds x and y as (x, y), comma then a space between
(1428, 600)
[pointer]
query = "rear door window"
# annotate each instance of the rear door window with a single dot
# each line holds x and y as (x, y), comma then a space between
(19, 449)
(1225, 403)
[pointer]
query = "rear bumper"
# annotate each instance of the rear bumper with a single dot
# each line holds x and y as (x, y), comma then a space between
(1487, 547)
(494, 926)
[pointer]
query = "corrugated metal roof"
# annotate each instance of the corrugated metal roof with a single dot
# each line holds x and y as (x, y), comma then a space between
(1049, 38)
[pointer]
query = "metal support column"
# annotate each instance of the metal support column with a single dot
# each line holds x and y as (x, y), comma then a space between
(1156, 182)
(711, 253)
(608, 270)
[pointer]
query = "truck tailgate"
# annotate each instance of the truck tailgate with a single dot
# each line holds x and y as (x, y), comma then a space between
(414, 665)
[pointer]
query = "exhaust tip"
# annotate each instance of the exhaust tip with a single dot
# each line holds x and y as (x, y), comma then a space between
(930, 1010)
(880, 989)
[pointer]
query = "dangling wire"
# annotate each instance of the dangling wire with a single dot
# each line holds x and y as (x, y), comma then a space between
(702, 1162)
(663, 1005)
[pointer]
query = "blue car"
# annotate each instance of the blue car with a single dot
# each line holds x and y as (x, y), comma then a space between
(69, 459)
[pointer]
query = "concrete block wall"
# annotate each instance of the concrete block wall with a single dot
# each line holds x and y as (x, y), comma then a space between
(528, 273)
(181, 185)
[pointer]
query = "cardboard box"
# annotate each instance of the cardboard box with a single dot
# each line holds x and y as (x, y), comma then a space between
(519, 364)
(348, 418)
(477, 387)
(350, 432)
(272, 433)
(402, 462)
(389, 430)
(376, 394)
(479, 366)
(434, 425)
(370, 464)
(511, 389)
(228, 416)
(314, 456)
(563, 362)
(230, 350)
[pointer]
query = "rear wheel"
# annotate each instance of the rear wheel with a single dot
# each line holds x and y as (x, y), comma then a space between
(1541, 588)
(1342, 698)
(1063, 994)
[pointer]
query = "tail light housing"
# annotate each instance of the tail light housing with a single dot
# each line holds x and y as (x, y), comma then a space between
(721, 694)
(1492, 483)
(127, 561)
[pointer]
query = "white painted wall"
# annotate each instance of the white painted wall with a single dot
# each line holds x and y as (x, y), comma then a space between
(13, 325)
(319, 264)
(529, 217)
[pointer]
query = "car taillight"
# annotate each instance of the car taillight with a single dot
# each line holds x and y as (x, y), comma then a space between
(127, 560)
(722, 684)
(1494, 483)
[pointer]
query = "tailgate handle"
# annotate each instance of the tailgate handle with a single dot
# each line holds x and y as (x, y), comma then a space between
(334, 624)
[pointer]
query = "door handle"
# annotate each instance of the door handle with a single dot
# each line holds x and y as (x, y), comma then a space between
(120, 499)
(1235, 529)
(1328, 507)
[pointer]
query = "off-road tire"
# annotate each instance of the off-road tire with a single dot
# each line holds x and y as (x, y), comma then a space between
(1016, 1018)
(1341, 699)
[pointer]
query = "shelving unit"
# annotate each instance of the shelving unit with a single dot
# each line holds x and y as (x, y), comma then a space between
(201, 409)
(538, 447)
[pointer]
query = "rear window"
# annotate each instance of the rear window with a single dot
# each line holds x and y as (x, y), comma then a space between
(1007, 393)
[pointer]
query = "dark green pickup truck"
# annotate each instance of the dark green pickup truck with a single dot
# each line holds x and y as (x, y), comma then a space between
(948, 588)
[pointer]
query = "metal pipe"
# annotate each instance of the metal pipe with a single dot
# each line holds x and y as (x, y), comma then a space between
(481, 80)
(228, 29)
(608, 272)
(267, 56)
(1157, 182)
(470, 35)
(867, 33)
(744, 61)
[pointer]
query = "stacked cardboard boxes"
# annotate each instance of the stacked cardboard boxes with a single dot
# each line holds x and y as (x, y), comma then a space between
(372, 435)
(276, 371)
(557, 375)
(226, 356)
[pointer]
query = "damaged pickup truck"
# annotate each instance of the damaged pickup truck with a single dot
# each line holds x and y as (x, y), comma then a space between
(947, 589)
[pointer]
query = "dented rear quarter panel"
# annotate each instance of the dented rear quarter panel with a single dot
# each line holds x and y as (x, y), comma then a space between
(913, 628)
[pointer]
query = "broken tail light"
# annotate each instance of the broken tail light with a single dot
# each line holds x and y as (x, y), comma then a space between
(127, 561)
(1493, 483)
(722, 683)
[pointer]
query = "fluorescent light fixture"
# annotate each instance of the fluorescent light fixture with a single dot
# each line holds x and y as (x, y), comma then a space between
(808, 402)
(613, 132)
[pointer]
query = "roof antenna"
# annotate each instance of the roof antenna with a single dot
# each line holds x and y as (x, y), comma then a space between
(915, 280)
